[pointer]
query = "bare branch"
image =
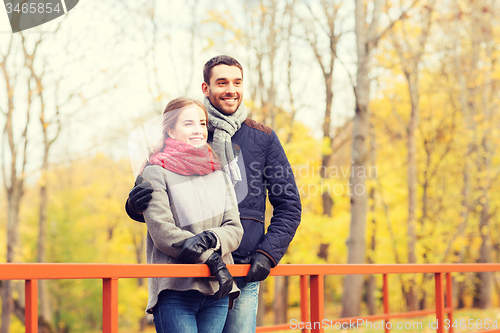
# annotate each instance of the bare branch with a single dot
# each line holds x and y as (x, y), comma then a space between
(426, 28)
(377, 11)
(25, 138)
(398, 117)
(389, 224)
(390, 132)
(289, 11)
(315, 18)
(375, 41)
(351, 78)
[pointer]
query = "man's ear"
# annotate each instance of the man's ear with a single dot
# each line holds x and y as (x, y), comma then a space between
(205, 89)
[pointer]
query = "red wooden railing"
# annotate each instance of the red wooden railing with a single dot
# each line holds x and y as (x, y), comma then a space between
(312, 306)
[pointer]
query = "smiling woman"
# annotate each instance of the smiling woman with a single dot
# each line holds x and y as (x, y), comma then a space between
(184, 120)
(191, 126)
(192, 218)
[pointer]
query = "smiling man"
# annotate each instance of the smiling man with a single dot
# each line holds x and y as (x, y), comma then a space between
(252, 155)
(224, 88)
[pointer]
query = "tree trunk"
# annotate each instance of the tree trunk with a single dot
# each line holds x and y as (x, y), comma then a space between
(143, 321)
(7, 306)
(371, 287)
(353, 284)
(356, 243)
(138, 235)
(483, 285)
(371, 284)
(461, 295)
(43, 295)
(325, 158)
(410, 57)
(14, 201)
(281, 300)
(484, 280)
(45, 309)
(412, 295)
(366, 40)
(261, 310)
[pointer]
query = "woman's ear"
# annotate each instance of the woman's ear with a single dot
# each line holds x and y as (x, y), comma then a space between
(170, 133)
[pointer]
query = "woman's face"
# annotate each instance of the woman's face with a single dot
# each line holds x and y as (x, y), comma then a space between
(191, 126)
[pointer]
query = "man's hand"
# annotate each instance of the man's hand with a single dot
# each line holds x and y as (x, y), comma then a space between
(260, 268)
(221, 273)
(192, 248)
(139, 196)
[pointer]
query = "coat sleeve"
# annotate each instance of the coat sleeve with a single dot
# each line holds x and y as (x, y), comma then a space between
(231, 231)
(158, 215)
(284, 197)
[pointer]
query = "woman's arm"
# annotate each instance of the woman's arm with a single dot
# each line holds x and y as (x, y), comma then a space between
(158, 215)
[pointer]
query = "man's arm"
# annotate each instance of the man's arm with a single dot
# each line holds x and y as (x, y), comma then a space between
(284, 197)
(138, 199)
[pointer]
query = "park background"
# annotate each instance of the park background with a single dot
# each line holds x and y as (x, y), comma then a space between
(415, 83)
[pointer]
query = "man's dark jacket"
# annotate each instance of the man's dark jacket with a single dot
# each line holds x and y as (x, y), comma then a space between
(267, 171)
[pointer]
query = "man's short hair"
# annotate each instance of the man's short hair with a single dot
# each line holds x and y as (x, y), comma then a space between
(219, 60)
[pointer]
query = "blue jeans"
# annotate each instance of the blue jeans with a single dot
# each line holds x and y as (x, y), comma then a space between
(242, 318)
(189, 312)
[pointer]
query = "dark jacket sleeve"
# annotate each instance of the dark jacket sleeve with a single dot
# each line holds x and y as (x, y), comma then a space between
(284, 197)
(132, 214)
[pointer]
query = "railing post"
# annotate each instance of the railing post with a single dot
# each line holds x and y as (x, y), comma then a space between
(449, 299)
(31, 306)
(304, 301)
(438, 277)
(385, 295)
(317, 303)
(110, 305)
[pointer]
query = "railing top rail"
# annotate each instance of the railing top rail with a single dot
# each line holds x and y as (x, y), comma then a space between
(28, 271)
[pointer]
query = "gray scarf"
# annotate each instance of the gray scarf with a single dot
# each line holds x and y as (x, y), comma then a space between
(224, 127)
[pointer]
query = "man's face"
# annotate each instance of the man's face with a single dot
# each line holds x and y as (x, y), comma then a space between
(225, 90)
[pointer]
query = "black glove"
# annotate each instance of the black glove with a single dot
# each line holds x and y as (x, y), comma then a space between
(260, 268)
(219, 270)
(139, 196)
(193, 248)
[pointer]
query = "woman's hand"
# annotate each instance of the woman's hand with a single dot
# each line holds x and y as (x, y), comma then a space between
(192, 248)
(219, 270)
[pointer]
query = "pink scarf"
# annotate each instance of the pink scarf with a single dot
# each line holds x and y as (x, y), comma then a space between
(185, 159)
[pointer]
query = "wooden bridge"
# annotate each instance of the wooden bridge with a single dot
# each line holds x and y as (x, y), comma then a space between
(311, 288)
